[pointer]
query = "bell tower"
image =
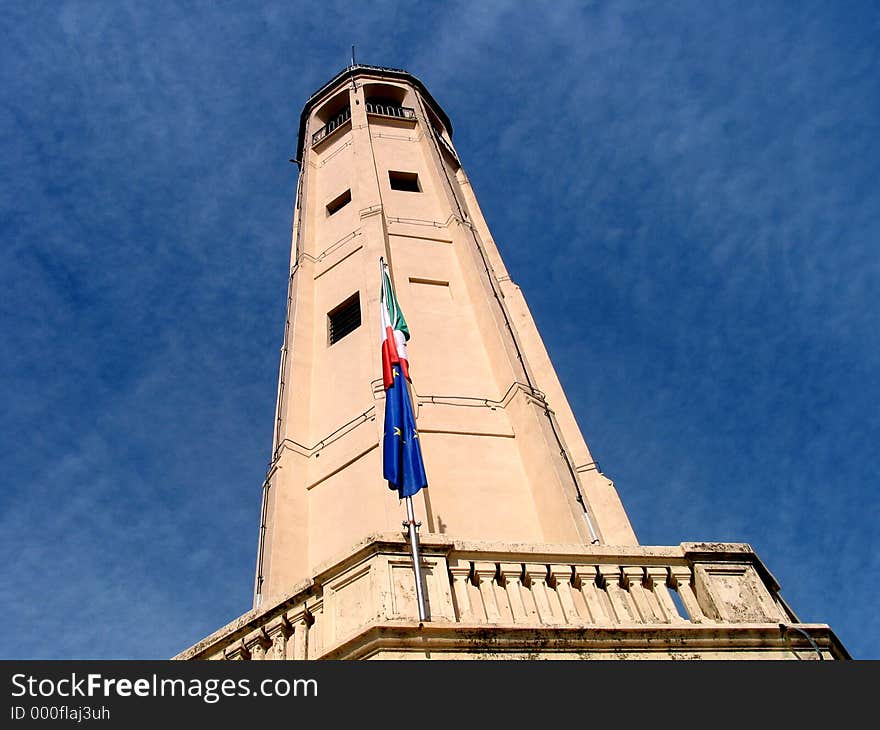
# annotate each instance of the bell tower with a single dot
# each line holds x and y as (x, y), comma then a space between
(522, 535)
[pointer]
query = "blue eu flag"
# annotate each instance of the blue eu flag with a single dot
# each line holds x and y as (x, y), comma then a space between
(402, 455)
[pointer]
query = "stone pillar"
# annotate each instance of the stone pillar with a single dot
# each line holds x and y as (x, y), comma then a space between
(298, 643)
(315, 620)
(257, 643)
(658, 577)
(618, 597)
(681, 579)
(278, 632)
(460, 572)
(734, 593)
(560, 577)
(237, 651)
(484, 573)
(635, 578)
(512, 575)
(595, 599)
(537, 579)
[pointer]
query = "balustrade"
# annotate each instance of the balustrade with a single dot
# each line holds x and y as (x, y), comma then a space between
(505, 590)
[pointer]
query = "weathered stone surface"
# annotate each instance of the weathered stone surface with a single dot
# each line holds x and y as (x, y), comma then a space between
(500, 601)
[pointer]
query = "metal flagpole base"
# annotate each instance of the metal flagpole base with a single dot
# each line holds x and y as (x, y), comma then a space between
(412, 525)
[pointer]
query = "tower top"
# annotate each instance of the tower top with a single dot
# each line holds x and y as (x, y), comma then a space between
(360, 69)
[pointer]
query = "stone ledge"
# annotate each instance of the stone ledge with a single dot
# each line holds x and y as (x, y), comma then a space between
(681, 642)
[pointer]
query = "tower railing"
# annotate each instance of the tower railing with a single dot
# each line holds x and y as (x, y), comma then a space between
(393, 111)
(390, 110)
(338, 121)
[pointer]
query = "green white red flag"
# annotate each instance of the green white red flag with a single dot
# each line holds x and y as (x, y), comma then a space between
(395, 333)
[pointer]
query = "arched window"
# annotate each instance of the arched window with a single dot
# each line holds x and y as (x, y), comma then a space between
(333, 115)
(385, 100)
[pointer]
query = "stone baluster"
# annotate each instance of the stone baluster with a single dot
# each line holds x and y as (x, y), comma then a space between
(594, 598)
(681, 578)
(560, 577)
(315, 619)
(658, 576)
(512, 574)
(635, 579)
(612, 579)
(278, 631)
(484, 573)
(537, 579)
(237, 651)
(298, 643)
(257, 643)
(460, 571)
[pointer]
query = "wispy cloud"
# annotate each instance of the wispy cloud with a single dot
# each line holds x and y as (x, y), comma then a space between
(687, 199)
(685, 193)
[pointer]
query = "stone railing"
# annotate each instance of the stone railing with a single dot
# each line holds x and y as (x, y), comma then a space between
(527, 600)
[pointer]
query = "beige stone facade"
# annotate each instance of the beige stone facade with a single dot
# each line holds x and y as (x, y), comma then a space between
(528, 551)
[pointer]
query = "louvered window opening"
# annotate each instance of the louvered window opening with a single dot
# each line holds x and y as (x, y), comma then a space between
(345, 319)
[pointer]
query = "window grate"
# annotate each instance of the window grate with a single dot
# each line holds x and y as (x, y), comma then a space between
(345, 318)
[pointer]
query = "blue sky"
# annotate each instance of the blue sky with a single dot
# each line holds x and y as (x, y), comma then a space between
(686, 193)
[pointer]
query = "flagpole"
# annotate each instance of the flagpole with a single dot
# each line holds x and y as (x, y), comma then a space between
(417, 563)
(411, 525)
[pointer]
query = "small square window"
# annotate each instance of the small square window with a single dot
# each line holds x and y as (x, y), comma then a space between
(408, 181)
(345, 318)
(339, 202)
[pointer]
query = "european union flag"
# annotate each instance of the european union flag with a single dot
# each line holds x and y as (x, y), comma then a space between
(402, 455)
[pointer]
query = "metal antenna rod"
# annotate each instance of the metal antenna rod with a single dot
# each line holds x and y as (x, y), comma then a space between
(352, 55)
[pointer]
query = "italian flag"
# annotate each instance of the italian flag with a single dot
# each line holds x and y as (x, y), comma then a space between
(395, 333)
